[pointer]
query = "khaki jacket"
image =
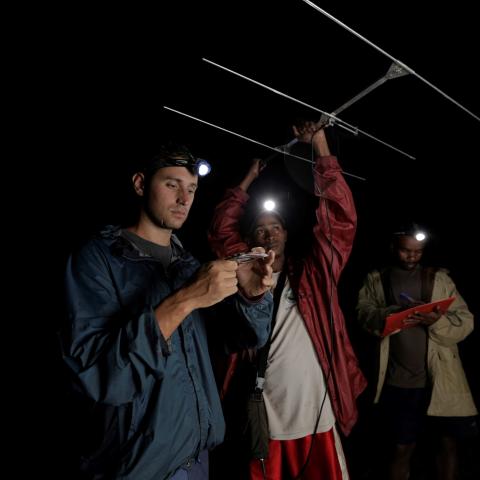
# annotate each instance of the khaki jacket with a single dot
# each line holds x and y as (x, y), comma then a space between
(451, 394)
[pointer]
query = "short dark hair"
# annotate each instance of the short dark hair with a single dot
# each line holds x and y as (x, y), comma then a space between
(171, 155)
(408, 229)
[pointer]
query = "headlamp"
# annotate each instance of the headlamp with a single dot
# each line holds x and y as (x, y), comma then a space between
(181, 158)
(203, 167)
(269, 205)
(413, 231)
(198, 165)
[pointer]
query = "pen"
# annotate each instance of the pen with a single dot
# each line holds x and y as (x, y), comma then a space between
(407, 297)
(411, 301)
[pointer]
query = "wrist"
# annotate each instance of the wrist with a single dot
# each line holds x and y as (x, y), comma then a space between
(246, 182)
(250, 297)
(184, 302)
(171, 313)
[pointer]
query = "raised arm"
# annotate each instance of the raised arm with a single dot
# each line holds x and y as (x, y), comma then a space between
(224, 233)
(335, 229)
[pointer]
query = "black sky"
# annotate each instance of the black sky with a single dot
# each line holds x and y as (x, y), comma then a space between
(109, 73)
(103, 75)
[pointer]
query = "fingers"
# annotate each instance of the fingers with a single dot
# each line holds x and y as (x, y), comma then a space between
(215, 281)
(267, 282)
(307, 131)
(270, 259)
(256, 277)
(267, 279)
(266, 261)
(224, 273)
(310, 127)
(423, 318)
(265, 266)
(256, 167)
(226, 265)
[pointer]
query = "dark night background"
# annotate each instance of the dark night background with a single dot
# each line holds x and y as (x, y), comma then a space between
(104, 74)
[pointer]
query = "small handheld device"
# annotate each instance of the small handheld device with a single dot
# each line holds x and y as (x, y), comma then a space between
(247, 257)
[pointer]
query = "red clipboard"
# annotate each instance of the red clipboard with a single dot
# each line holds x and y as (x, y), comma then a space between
(395, 321)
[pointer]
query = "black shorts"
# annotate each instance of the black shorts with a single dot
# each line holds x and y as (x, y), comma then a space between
(404, 411)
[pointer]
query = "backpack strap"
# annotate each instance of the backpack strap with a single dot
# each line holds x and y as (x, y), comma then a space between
(262, 353)
(387, 286)
(428, 279)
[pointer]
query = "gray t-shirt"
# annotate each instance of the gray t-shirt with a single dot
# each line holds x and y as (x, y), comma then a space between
(295, 390)
(408, 348)
(158, 252)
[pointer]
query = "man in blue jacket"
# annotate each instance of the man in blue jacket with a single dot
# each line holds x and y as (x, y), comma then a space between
(135, 340)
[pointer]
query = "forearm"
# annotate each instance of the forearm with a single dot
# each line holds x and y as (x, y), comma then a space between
(172, 311)
(213, 282)
(372, 319)
(452, 327)
(246, 182)
(371, 307)
(335, 228)
(320, 143)
(224, 233)
(457, 322)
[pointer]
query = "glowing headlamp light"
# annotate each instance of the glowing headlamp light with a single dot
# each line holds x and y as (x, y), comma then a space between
(269, 205)
(200, 166)
(415, 232)
(203, 167)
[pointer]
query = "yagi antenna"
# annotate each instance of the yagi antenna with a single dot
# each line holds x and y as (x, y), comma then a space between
(276, 149)
(341, 123)
(393, 72)
(400, 64)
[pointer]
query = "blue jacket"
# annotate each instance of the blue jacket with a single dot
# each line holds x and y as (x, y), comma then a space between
(152, 405)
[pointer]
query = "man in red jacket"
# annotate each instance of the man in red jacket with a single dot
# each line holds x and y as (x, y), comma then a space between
(312, 377)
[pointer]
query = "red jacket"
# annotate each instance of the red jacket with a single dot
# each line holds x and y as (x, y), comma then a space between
(314, 280)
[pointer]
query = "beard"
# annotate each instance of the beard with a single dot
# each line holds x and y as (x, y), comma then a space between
(161, 221)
